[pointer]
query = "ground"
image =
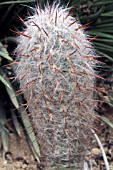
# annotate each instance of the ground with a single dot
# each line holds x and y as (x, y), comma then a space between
(20, 156)
(106, 137)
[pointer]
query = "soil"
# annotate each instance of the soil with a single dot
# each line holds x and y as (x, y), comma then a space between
(20, 157)
(105, 135)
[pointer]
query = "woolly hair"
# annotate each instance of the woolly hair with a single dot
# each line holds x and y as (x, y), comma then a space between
(56, 72)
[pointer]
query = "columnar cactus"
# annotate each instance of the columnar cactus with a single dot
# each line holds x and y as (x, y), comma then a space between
(56, 72)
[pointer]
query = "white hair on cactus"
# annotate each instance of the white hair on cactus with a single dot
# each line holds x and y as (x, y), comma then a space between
(56, 73)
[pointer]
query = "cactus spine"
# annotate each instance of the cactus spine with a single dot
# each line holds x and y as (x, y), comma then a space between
(56, 72)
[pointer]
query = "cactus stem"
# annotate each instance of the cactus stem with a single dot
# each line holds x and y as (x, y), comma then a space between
(57, 77)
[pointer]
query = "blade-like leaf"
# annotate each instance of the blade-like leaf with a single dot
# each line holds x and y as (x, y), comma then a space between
(12, 95)
(100, 34)
(9, 88)
(102, 2)
(105, 40)
(107, 121)
(105, 46)
(4, 81)
(93, 15)
(3, 131)
(16, 2)
(5, 55)
(104, 25)
(104, 30)
(16, 123)
(105, 55)
(108, 14)
(5, 143)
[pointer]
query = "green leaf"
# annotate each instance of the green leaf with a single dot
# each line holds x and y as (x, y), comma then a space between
(103, 49)
(104, 40)
(104, 30)
(12, 95)
(3, 130)
(5, 55)
(100, 34)
(9, 88)
(104, 25)
(102, 2)
(4, 137)
(107, 121)
(108, 14)
(93, 15)
(105, 55)
(105, 46)
(16, 2)
(16, 123)
(104, 21)
(4, 81)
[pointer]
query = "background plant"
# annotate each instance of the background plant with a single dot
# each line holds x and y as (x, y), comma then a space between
(9, 99)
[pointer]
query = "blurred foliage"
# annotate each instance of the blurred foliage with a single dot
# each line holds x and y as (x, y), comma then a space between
(16, 101)
(99, 15)
(9, 86)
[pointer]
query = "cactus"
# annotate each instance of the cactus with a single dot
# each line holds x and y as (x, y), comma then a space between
(55, 68)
